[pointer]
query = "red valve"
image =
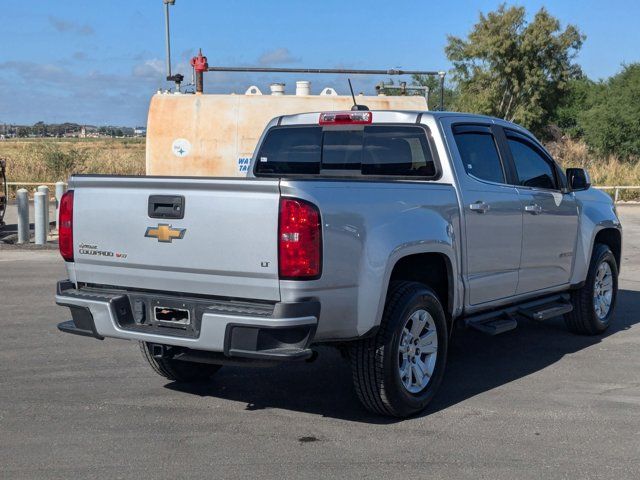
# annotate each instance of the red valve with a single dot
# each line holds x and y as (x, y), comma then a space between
(199, 63)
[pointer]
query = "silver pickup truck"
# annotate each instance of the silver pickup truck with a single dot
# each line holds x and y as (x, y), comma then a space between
(373, 231)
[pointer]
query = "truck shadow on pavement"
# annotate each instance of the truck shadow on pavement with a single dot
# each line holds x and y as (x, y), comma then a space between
(477, 363)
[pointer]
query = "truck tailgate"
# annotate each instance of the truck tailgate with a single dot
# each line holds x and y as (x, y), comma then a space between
(226, 244)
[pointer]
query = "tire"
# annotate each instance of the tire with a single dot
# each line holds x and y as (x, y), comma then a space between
(585, 319)
(178, 370)
(376, 362)
(10, 239)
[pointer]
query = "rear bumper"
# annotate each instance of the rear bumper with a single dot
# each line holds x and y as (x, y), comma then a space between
(282, 332)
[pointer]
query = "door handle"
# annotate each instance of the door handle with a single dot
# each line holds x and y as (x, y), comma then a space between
(479, 206)
(166, 206)
(533, 209)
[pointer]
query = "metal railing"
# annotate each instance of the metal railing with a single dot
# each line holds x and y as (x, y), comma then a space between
(616, 189)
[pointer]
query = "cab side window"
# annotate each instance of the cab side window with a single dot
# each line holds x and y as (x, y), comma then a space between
(479, 153)
(532, 167)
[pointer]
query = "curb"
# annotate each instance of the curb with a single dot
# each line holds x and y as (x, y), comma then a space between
(28, 246)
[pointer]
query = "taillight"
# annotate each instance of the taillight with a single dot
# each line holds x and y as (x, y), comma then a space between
(299, 240)
(345, 118)
(65, 226)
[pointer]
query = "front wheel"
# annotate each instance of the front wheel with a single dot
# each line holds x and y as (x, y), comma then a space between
(398, 372)
(594, 302)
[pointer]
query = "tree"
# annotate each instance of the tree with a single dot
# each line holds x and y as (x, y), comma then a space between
(612, 124)
(514, 69)
(580, 95)
(39, 128)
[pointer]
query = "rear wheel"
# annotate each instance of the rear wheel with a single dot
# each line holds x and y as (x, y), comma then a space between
(178, 370)
(398, 371)
(594, 303)
(10, 239)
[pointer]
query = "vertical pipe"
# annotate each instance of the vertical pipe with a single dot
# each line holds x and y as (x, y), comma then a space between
(22, 198)
(44, 189)
(166, 26)
(442, 74)
(59, 193)
(615, 200)
(40, 218)
(199, 81)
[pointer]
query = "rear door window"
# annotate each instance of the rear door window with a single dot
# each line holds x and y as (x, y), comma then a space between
(383, 150)
(479, 153)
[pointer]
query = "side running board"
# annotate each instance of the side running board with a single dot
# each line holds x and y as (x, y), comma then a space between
(545, 312)
(493, 325)
(505, 319)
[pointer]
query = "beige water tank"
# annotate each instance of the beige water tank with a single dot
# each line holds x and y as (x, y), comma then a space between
(215, 135)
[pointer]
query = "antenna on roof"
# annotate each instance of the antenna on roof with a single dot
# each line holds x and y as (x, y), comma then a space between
(355, 105)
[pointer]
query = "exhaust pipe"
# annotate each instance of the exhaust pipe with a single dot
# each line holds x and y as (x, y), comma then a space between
(313, 357)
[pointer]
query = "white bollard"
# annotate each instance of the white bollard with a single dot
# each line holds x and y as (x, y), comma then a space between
(22, 199)
(40, 218)
(59, 193)
(44, 189)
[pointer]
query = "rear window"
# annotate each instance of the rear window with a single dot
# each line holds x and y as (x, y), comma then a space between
(383, 150)
(342, 150)
(291, 150)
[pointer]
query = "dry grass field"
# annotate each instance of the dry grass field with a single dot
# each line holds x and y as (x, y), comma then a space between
(50, 160)
(603, 171)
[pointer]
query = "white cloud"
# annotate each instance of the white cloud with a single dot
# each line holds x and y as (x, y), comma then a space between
(279, 56)
(61, 25)
(150, 69)
(80, 56)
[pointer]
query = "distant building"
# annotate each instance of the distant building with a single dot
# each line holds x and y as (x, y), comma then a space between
(140, 132)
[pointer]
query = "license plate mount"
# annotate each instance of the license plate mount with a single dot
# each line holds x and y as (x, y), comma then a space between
(172, 316)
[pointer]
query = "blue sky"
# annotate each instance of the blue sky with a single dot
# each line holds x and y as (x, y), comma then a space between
(100, 61)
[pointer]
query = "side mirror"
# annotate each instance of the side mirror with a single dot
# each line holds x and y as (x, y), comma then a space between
(578, 179)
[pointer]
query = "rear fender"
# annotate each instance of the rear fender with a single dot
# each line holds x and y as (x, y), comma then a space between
(440, 241)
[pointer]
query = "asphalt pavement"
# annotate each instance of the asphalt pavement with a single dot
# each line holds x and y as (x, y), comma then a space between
(537, 402)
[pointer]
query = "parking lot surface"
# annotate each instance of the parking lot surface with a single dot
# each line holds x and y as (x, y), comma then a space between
(537, 402)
